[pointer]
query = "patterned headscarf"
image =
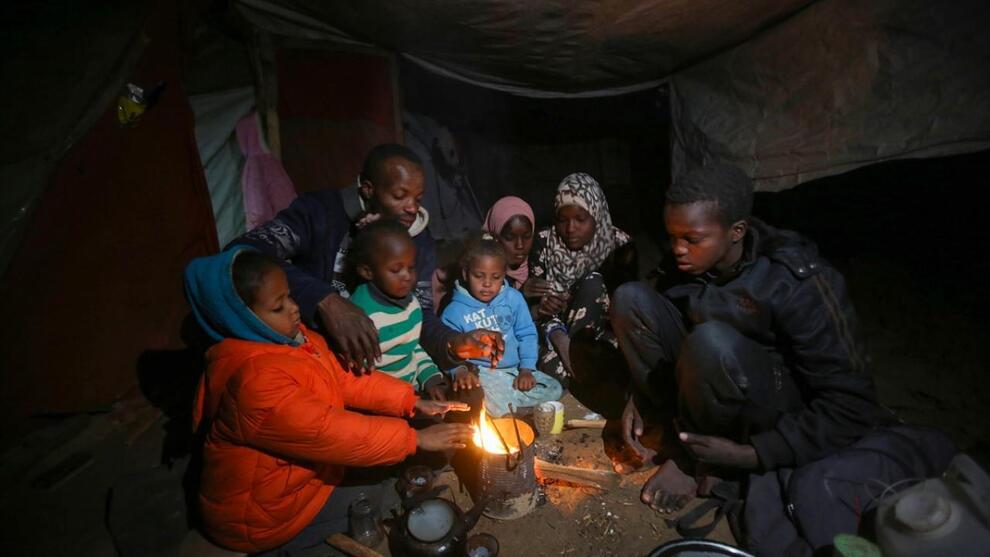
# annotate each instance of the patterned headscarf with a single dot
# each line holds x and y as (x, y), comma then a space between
(564, 266)
(502, 212)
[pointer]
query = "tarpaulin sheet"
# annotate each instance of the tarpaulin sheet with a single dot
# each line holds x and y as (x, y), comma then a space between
(788, 90)
(842, 84)
(62, 63)
(216, 116)
(536, 48)
(95, 289)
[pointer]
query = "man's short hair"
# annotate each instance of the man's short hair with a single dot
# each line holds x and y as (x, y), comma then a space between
(728, 187)
(374, 164)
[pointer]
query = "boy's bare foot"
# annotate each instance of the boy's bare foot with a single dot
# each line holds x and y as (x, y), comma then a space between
(669, 489)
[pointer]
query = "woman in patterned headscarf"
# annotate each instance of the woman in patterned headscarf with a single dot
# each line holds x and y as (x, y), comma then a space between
(576, 263)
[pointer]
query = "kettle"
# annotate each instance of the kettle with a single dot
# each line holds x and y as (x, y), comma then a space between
(939, 516)
(432, 526)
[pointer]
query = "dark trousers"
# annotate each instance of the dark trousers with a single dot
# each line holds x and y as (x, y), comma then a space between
(587, 309)
(721, 382)
(333, 517)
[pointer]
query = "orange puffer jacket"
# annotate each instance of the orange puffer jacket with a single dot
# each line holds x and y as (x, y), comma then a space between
(280, 436)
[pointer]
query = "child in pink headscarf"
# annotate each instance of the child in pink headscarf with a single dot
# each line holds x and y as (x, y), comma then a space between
(511, 222)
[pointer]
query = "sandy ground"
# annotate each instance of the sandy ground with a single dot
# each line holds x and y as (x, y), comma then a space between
(579, 521)
(583, 521)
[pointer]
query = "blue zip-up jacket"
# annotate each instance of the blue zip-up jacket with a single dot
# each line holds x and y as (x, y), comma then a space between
(507, 313)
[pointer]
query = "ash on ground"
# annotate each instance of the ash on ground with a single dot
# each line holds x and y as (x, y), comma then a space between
(550, 451)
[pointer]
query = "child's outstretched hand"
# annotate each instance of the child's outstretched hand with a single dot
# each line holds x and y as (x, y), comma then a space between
(466, 378)
(524, 381)
(440, 407)
(441, 437)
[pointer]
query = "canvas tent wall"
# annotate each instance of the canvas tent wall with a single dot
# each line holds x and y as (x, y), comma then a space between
(94, 284)
(787, 89)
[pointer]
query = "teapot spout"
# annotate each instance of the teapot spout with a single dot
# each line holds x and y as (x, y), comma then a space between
(471, 517)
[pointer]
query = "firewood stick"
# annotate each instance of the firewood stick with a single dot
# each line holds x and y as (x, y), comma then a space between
(347, 544)
(586, 424)
(582, 476)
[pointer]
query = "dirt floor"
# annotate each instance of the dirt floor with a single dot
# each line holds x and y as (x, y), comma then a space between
(583, 521)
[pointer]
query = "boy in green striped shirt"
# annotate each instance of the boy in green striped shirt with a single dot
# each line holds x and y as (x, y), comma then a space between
(383, 256)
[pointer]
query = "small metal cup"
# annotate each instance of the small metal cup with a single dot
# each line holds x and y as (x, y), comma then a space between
(544, 416)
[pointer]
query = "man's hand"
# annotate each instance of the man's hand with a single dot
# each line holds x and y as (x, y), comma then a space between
(436, 387)
(351, 331)
(632, 430)
(367, 219)
(719, 451)
(524, 381)
(439, 407)
(477, 344)
(441, 437)
(466, 378)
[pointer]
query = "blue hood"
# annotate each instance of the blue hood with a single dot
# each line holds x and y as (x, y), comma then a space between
(463, 296)
(209, 283)
(506, 313)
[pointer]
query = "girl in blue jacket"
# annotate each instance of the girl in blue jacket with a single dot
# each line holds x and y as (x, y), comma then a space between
(483, 299)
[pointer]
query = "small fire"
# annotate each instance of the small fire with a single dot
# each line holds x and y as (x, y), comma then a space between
(486, 437)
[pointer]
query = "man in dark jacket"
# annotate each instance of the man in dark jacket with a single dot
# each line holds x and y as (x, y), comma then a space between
(312, 237)
(754, 335)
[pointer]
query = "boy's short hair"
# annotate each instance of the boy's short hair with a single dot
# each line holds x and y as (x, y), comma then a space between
(249, 270)
(367, 241)
(481, 244)
(728, 187)
(374, 164)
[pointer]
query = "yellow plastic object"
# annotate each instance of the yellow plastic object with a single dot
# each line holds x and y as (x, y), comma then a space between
(131, 106)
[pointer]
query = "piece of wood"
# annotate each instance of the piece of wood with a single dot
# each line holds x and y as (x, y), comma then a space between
(584, 424)
(598, 479)
(347, 544)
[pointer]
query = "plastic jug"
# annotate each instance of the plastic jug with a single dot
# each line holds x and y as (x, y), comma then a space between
(939, 517)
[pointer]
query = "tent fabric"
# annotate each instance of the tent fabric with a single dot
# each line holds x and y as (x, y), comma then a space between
(449, 197)
(58, 79)
(840, 85)
(216, 116)
(328, 125)
(92, 299)
(541, 48)
(788, 90)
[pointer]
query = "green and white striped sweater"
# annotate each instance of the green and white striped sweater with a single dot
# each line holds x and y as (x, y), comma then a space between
(398, 334)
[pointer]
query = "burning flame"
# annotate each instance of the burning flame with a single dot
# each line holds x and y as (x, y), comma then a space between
(486, 437)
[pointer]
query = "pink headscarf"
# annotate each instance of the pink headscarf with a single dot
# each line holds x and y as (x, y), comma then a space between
(502, 212)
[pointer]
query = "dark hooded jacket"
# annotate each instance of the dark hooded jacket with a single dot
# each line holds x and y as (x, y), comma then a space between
(306, 237)
(784, 296)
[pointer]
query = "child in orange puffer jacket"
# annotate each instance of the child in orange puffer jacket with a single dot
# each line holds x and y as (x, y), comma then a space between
(275, 406)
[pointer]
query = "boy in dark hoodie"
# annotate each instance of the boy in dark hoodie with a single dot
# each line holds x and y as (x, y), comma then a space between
(749, 333)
